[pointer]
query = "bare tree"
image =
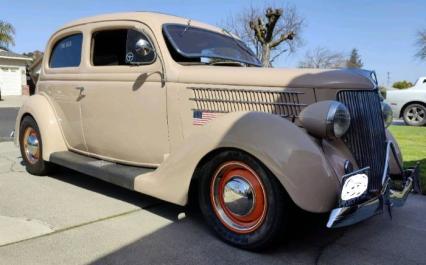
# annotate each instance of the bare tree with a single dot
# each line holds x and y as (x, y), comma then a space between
(421, 43)
(322, 58)
(269, 31)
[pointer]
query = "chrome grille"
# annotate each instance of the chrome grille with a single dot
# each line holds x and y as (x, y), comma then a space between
(224, 100)
(366, 137)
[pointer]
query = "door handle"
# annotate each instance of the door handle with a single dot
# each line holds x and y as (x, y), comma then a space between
(81, 89)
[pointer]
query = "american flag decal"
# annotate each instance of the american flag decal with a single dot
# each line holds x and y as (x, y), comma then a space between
(202, 117)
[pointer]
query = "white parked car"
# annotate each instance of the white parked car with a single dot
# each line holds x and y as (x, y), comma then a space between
(410, 103)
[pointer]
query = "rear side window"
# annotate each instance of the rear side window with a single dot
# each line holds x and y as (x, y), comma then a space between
(67, 52)
(119, 47)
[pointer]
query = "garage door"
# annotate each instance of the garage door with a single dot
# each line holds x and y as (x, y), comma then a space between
(10, 81)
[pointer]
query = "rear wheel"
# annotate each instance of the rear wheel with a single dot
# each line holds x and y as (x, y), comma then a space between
(415, 115)
(32, 147)
(242, 201)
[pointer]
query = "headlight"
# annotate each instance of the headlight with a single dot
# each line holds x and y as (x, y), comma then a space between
(326, 119)
(387, 114)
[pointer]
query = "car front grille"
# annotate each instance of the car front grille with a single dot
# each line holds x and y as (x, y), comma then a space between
(366, 137)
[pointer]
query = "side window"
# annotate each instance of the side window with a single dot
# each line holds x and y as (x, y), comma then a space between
(121, 47)
(67, 52)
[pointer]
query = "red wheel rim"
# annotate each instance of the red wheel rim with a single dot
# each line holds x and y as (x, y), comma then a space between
(238, 197)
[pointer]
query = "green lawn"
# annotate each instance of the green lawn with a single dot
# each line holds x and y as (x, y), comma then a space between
(412, 141)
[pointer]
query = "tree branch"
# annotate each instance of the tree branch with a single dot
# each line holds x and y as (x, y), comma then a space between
(257, 26)
(284, 37)
(273, 16)
(278, 55)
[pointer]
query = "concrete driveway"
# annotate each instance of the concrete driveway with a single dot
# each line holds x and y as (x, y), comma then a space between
(7, 122)
(70, 218)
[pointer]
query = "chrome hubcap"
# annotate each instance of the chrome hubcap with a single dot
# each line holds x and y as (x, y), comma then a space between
(238, 196)
(31, 145)
(416, 114)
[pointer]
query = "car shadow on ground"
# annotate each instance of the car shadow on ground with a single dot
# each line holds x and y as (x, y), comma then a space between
(189, 240)
(90, 183)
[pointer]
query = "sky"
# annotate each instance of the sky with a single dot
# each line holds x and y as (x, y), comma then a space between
(383, 31)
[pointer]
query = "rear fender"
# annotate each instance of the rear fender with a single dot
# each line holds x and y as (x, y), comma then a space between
(40, 109)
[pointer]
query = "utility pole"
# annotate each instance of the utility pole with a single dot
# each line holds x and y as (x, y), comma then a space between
(388, 79)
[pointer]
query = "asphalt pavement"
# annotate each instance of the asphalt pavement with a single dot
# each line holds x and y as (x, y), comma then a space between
(71, 218)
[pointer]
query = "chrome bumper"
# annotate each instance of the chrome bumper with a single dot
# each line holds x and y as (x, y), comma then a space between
(348, 215)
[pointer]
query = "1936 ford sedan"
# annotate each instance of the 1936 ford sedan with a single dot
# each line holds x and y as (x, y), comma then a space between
(165, 105)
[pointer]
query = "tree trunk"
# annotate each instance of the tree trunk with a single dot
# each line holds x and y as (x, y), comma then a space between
(266, 56)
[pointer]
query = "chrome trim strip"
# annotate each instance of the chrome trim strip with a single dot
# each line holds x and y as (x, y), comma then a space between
(386, 168)
(246, 102)
(245, 90)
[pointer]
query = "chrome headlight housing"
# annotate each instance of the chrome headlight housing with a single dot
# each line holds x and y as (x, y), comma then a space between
(326, 119)
(387, 114)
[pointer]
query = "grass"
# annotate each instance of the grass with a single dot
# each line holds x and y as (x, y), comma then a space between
(412, 141)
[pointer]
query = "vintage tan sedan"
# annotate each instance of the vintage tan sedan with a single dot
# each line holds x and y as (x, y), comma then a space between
(182, 111)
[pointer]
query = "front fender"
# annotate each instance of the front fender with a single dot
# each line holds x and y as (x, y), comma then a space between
(40, 109)
(394, 161)
(285, 149)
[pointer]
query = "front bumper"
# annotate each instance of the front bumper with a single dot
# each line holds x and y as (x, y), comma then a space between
(389, 197)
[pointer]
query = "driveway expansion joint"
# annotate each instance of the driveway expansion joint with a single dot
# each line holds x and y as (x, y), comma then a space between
(74, 227)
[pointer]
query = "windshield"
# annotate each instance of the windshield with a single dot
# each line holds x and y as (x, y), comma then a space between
(191, 42)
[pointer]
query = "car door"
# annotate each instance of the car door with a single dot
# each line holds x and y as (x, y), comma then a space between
(124, 109)
(59, 82)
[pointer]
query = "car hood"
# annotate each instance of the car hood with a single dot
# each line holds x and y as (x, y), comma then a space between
(274, 77)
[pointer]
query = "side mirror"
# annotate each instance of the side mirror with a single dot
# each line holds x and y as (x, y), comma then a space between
(143, 48)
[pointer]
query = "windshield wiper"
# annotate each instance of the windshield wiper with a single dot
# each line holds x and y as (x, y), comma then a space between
(218, 60)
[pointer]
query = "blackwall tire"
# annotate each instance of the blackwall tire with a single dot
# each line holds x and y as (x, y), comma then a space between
(242, 201)
(31, 147)
(415, 115)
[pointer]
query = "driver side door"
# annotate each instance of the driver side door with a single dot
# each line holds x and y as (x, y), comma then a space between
(124, 109)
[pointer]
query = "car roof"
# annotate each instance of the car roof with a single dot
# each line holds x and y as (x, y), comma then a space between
(150, 18)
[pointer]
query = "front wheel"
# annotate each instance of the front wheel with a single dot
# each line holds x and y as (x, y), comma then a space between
(242, 201)
(32, 147)
(415, 115)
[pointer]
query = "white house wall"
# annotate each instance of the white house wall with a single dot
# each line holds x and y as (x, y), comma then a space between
(7, 86)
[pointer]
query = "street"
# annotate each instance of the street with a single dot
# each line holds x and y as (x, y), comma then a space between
(70, 218)
(7, 122)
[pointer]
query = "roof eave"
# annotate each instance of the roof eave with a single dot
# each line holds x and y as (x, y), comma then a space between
(16, 58)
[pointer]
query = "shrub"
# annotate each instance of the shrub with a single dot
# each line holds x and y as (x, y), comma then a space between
(402, 84)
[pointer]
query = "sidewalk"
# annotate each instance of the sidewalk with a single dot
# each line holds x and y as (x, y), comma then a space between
(12, 101)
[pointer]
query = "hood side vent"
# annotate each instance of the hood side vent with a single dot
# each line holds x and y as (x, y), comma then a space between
(225, 100)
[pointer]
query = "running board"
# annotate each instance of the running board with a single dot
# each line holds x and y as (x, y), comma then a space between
(114, 173)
